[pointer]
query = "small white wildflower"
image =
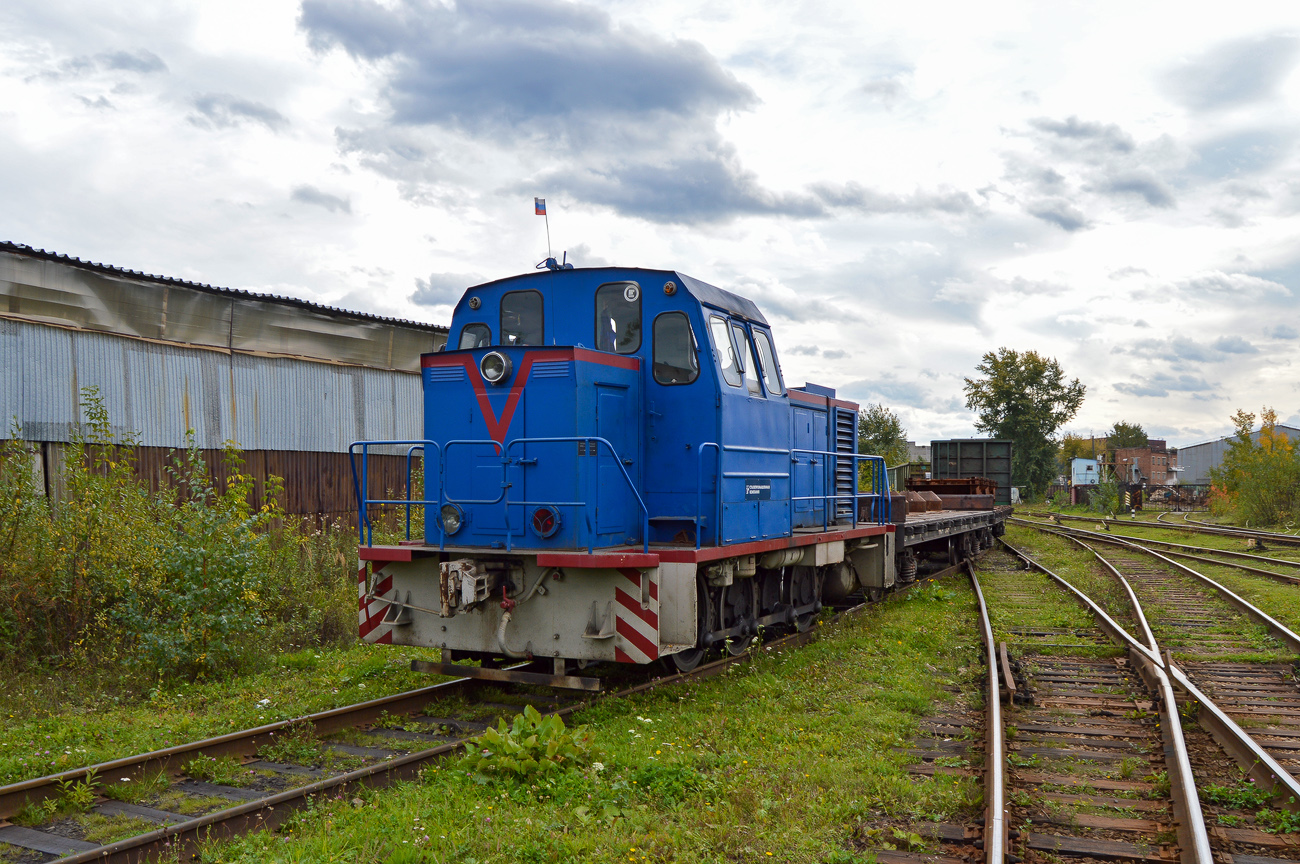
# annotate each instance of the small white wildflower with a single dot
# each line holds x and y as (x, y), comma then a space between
(263, 703)
(597, 767)
(126, 779)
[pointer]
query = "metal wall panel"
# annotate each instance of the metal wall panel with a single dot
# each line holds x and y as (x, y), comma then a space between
(155, 392)
(1198, 459)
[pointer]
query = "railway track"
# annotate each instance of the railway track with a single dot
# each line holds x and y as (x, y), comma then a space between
(367, 745)
(1214, 634)
(1195, 526)
(1272, 567)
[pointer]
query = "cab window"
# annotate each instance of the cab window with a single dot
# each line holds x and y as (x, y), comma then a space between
(618, 317)
(747, 365)
(725, 351)
(675, 360)
(767, 355)
(521, 318)
(475, 336)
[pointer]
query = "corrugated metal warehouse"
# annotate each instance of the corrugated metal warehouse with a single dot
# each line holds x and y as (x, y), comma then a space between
(1198, 459)
(291, 382)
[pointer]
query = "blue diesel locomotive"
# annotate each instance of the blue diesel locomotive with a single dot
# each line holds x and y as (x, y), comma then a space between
(615, 469)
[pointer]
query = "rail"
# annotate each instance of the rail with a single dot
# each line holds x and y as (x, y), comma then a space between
(1258, 763)
(996, 825)
(1192, 833)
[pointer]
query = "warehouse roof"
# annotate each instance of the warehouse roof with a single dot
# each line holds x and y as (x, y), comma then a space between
(60, 290)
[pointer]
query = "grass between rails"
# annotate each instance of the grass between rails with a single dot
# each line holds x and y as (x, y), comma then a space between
(1050, 608)
(1079, 567)
(41, 735)
(788, 758)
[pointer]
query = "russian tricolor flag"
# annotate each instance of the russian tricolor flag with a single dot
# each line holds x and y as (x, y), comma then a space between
(539, 206)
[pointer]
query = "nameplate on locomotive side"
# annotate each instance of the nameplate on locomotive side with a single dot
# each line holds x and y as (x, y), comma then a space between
(758, 489)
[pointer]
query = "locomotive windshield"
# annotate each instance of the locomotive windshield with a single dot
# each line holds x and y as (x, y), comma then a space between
(475, 336)
(618, 317)
(675, 360)
(521, 318)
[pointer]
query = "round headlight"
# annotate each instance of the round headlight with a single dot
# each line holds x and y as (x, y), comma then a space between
(495, 367)
(451, 518)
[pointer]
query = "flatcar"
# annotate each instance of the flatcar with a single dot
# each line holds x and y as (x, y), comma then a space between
(615, 469)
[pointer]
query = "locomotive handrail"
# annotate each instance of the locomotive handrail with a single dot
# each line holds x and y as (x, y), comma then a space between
(645, 511)
(699, 491)
(365, 530)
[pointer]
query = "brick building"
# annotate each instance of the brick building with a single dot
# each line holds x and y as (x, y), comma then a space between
(1153, 463)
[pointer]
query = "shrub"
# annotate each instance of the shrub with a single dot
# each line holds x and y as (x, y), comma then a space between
(533, 744)
(191, 581)
(1259, 481)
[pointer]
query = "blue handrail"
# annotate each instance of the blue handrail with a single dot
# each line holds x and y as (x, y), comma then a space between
(365, 531)
(570, 439)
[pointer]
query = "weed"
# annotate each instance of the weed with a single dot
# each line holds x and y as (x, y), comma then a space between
(1231, 821)
(78, 796)
(531, 745)
(1129, 766)
(222, 770)
(1243, 796)
(133, 792)
(1278, 821)
(297, 744)
(951, 762)
(1018, 761)
(1159, 784)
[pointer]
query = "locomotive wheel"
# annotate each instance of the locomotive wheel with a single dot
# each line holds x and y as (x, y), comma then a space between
(687, 660)
(739, 604)
(804, 585)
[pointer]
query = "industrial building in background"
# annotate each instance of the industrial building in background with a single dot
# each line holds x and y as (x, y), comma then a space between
(1198, 459)
(292, 383)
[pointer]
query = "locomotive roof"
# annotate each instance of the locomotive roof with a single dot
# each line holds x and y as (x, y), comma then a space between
(710, 295)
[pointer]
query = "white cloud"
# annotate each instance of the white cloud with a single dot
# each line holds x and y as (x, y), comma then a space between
(900, 188)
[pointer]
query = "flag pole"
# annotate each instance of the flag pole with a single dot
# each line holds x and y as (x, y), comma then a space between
(547, 217)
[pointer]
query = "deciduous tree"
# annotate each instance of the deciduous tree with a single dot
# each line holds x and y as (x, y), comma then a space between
(881, 433)
(1259, 481)
(1024, 397)
(1124, 434)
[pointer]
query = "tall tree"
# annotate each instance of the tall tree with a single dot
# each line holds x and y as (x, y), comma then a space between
(1126, 435)
(1024, 397)
(881, 433)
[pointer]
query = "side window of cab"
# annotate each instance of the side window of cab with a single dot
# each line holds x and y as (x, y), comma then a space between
(725, 350)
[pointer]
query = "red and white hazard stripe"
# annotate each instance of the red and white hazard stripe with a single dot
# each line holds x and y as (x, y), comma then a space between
(371, 608)
(636, 617)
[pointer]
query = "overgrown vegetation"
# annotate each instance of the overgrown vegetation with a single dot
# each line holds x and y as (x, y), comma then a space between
(532, 745)
(1259, 481)
(185, 583)
(795, 754)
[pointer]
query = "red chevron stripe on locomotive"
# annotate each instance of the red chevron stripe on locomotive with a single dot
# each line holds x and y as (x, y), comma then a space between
(636, 625)
(370, 611)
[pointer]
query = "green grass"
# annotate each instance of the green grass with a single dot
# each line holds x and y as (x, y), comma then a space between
(792, 754)
(44, 733)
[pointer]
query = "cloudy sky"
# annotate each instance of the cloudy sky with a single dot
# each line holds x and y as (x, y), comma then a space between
(901, 187)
